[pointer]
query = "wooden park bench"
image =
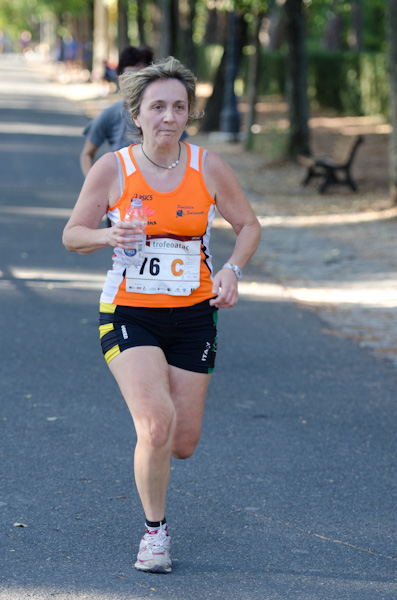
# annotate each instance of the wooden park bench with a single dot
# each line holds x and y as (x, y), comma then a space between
(335, 169)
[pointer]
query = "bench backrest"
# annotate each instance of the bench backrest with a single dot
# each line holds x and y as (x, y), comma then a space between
(345, 149)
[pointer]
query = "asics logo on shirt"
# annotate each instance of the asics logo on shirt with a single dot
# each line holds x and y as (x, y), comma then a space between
(143, 197)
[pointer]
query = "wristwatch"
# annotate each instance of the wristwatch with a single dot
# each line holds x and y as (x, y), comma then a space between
(237, 271)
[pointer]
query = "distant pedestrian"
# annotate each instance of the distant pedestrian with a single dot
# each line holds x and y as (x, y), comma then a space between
(109, 72)
(158, 321)
(112, 123)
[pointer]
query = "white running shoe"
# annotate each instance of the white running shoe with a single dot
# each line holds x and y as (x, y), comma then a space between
(154, 553)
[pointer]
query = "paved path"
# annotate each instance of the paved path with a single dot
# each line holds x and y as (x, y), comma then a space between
(291, 493)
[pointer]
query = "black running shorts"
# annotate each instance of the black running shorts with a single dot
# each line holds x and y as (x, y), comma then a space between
(187, 335)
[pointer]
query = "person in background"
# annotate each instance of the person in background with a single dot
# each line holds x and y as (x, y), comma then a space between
(158, 322)
(112, 123)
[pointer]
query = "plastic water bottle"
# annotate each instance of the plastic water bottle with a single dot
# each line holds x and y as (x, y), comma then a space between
(133, 257)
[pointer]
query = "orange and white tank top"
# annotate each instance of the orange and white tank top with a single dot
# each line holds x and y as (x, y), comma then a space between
(177, 270)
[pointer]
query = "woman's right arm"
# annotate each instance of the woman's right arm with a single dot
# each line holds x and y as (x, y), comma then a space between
(100, 190)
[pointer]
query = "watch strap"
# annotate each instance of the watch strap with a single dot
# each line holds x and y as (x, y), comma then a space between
(237, 270)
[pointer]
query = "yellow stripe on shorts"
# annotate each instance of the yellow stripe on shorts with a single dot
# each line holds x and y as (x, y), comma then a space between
(104, 329)
(112, 353)
(107, 308)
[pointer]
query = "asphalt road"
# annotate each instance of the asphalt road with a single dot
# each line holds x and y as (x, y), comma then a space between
(291, 492)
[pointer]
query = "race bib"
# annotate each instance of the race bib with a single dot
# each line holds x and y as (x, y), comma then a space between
(171, 266)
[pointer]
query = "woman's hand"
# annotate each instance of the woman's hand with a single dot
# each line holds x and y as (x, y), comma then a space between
(122, 235)
(226, 286)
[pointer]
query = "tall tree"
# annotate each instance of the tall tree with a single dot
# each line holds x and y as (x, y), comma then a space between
(100, 39)
(391, 22)
(187, 52)
(166, 28)
(253, 79)
(334, 28)
(122, 25)
(210, 121)
(141, 22)
(216, 102)
(298, 103)
(357, 26)
(169, 28)
(229, 118)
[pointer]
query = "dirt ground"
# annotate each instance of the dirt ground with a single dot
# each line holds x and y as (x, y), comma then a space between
(336, 253)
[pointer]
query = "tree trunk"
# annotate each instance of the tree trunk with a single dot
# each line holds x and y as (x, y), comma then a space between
(229, 119)
(141, 22)
(122, 25)
(253, 80)
(190, 51)
(357, 27)
(166, 28)
(176, 32)
(211, 28)
(100, 40)
(210, 121)
(392, 64)
(333, 31)
(298, 104)
(276, 31)
(215, 103)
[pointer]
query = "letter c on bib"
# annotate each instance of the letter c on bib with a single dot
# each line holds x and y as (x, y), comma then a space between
(175, 267)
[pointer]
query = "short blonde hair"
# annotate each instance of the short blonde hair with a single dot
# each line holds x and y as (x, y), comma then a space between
(133, 85)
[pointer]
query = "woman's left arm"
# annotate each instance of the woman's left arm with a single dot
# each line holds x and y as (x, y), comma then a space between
(234, 207)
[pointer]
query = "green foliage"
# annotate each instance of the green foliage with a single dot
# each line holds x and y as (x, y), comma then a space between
(374, 84)
(74, 7)
(318, 14)
(208, 58)
(349, 82)
(374, 25)
(334, 80)
(17, 15)
(273, 72)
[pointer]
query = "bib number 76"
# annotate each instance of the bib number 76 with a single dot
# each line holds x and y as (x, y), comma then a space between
(154, 266)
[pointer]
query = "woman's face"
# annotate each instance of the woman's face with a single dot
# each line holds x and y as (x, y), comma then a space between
(163, 112)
